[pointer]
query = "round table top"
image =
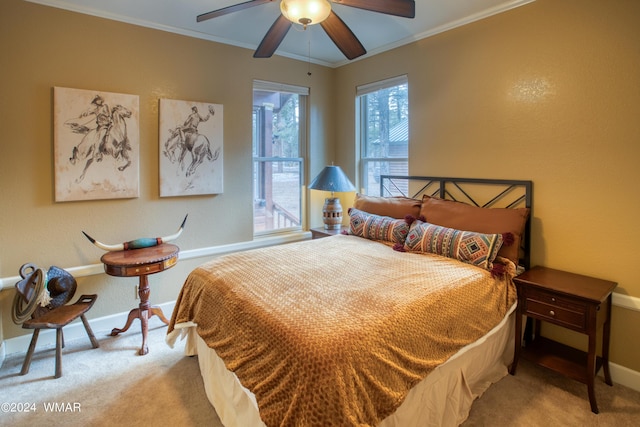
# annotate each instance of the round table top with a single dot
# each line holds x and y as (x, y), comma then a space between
(143, 256)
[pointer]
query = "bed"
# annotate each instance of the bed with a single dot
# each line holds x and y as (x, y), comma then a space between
(403, 321)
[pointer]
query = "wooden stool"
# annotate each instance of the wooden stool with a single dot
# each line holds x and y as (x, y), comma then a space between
(62, 287)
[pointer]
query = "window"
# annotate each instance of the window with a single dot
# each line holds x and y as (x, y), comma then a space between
(382, 109)
(279, 117)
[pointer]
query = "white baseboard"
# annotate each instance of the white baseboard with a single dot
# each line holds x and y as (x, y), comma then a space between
(623, 376)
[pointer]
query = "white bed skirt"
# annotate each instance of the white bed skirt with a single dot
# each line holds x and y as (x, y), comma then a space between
(443, 398)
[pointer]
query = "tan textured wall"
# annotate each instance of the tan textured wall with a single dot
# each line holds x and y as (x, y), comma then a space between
(547, 92)
(43, 47)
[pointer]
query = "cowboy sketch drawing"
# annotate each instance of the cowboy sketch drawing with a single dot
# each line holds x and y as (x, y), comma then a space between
(190, 148)
(96, 144)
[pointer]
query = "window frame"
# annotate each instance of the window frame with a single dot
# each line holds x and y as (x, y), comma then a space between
(303, 107)
(361, 119)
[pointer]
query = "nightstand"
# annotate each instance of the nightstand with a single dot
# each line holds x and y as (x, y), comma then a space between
(573, 301)
(141, 263)
(320, 232)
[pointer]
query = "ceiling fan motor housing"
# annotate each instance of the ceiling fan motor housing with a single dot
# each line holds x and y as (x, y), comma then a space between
(306, 12)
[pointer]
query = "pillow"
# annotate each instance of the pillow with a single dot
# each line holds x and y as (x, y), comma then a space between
(376, 227)
(462, 216)
(394, 207)
(470, 247)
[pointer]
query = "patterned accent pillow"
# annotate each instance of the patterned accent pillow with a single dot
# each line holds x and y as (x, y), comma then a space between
(467, 246)
(376, 227)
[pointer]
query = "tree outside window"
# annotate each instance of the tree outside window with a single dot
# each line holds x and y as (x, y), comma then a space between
(384, 131)
(277, 158)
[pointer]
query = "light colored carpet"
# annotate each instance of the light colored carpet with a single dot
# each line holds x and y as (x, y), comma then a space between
(114, 386)
(538, 397)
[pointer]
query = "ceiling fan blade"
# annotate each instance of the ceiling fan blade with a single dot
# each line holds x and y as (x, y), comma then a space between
(403, 8)
(273, 38)
(230, 9)
(342, 36)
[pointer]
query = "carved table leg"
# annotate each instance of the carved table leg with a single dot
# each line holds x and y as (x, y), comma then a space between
(143, 293)
(157, 311)
(133, 314)
(144, 311)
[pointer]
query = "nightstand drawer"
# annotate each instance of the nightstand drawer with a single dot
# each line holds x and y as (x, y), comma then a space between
(143, 269)
(556, 309)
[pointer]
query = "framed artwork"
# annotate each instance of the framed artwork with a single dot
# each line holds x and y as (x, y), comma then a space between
(190, 148)
(96, 144)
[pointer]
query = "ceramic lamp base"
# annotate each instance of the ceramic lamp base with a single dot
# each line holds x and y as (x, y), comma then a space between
(332, 213)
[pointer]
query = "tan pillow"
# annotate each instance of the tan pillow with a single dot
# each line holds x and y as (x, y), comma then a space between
(394, 207)
(462, 216)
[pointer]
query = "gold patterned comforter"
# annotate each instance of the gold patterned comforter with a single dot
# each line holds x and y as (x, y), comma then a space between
(335, 331)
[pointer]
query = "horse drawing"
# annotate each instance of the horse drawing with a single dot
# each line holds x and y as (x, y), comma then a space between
(100, 140)
(195, 143)
(171, 145)
(116, 143)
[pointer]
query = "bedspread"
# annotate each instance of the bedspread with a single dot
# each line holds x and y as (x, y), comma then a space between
(335, 331)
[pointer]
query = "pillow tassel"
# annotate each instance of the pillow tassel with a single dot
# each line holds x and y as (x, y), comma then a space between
(498, 270)
(409, 219)
(507, 239)
(399, 247)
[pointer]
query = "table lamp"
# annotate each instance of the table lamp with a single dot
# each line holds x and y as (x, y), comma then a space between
(333, 179)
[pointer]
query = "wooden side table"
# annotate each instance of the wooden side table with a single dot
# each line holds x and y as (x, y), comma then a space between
(141, 263)
(320, 232)
(573, 301)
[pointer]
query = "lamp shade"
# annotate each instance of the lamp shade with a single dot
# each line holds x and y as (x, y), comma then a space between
(333, 179)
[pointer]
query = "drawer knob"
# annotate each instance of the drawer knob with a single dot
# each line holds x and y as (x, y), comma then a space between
(553, 299)
(552, 313)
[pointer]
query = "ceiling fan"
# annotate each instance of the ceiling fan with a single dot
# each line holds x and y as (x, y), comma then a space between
(309, 12)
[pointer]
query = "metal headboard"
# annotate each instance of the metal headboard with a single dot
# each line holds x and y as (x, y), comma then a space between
(486, 193)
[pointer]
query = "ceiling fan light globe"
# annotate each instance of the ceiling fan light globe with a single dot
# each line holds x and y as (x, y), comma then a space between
(305, 12)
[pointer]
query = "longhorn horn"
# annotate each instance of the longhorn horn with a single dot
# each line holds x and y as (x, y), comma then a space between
(176, 234)
(118, 247)
(138, 243)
